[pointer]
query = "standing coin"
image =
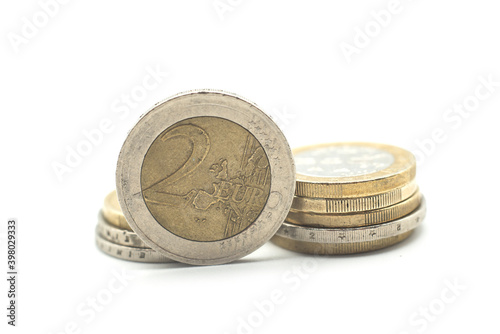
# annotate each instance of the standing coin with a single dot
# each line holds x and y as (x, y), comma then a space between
(347, 170)
(205, 177)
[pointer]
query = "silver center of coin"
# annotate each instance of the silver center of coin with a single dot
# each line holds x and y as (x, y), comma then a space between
(342, 161)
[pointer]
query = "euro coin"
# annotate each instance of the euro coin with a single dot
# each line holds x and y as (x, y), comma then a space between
(112, 212)
(330, 241)
(118, 235)
(205, 177)
(356, 204)
(355, 219)
(129, 253)
(336, 248)
(352, 170)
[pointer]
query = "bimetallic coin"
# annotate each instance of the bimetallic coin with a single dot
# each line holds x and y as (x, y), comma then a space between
(113, 213)
(354, 234)
(221, 187)
(350, 170)
(205, 177)
(365, 218)
(129, 253)
(346, 205)
(338, 248)
(117, 235)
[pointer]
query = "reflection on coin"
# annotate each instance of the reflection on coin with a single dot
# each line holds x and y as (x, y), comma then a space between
(364, 218)
(113, 213)
(129, 253)
(348, 170)
(357, 204)
(117, 235)
(205, 177)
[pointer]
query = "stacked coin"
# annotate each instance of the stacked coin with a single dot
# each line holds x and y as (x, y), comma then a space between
(351, 198)
(115, 237)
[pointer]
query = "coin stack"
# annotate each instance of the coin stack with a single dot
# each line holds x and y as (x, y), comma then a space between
(115, 237)
(351, 198)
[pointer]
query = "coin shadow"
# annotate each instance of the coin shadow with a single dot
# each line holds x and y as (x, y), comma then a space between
(283, 254)
(130, 265)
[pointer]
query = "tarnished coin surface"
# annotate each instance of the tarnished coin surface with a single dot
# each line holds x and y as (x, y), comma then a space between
(351, 170)
(221, 187)
(205, 177)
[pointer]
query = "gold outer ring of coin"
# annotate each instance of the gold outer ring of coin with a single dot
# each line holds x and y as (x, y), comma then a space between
(366, 218)
(118, 235)
(346, 205)
(338, 249)
(145, 255)
(113, 213)
(402, 171)
(190, 105)
(354, 234)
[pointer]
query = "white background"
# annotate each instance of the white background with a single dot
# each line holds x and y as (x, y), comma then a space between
(286, 56)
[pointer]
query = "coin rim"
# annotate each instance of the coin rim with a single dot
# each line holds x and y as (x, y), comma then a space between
(357, 204)
(355, 219)
(354, 234)
(110, 248)
(118, 235)
(167, 113)
(112, 215)
(399, 173)
(326, 249)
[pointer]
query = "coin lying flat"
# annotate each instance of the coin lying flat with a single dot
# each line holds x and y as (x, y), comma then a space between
(364, 218)
(129, 253)
(350, 170)
(338, 249)
(357, 204)
(117, 235)
(355, 239)
(113, 213)
(205, 177)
